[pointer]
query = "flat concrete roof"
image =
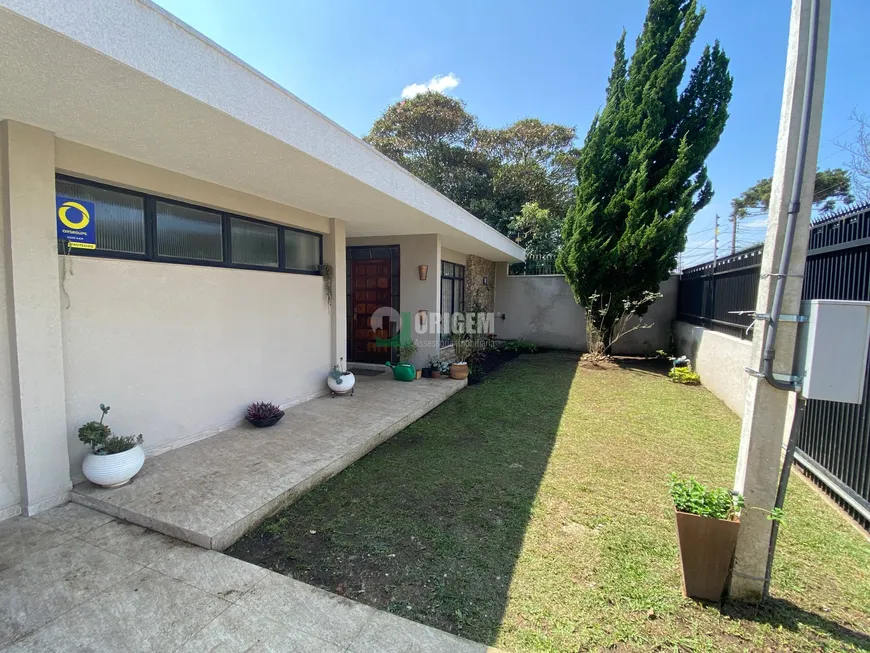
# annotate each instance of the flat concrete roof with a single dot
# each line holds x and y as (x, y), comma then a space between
(129, 78)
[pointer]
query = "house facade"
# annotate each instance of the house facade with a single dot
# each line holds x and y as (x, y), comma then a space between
(181, 237)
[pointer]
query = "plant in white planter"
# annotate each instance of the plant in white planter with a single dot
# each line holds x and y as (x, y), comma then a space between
(340, 381)
(113, 459)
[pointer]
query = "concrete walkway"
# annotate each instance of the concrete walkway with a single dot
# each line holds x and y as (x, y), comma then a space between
(73, 580)
(213, 491)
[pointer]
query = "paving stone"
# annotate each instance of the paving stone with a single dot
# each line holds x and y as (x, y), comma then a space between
(210, 571)
(73, 519)
(145, 613)
(317, 612)
(48, 583)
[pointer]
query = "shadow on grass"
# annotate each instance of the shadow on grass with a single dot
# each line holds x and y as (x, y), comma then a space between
(430, 524)
(654, 366)
(780, 613)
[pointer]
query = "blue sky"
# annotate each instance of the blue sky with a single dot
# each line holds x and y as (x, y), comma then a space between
(550, 60)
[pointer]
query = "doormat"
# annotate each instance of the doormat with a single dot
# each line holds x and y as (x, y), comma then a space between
(358, 372)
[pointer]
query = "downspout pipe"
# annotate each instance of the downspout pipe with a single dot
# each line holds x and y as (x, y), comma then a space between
(794, 207)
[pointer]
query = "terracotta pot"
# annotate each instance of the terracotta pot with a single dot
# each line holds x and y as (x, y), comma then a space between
(436, 374)
(706, 551)
(459, 371)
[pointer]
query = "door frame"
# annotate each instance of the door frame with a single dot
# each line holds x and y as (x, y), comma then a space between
(356, 253)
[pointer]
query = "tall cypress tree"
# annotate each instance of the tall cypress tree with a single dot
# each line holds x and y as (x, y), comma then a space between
(641, 172)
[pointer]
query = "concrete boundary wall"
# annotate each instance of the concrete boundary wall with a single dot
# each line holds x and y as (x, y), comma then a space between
(720, 360)
(541, 309)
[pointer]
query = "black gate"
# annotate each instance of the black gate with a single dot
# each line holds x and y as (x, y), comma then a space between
(834, 442)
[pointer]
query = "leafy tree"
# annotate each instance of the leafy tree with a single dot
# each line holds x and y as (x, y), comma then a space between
(536, 229)
(832, 186)
(641, 173)
(536, 164)
(491, 173)
(427, 134)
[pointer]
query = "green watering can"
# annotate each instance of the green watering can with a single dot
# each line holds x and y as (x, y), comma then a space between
(403, 371)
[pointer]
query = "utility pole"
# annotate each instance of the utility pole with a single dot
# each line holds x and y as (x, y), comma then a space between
(733, 235)
(768, 410)
(715, 242)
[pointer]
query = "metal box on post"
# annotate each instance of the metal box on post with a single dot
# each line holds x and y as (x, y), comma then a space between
(832, 348)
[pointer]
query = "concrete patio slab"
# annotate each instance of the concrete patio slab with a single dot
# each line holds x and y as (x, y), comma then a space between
(72, 596)
(211, 492)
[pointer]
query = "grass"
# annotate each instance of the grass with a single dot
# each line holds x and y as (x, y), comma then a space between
(531, 513)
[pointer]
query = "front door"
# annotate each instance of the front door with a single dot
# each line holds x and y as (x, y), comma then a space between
(370, 290)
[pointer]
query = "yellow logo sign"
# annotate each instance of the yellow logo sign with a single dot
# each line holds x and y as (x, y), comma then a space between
(66, 206)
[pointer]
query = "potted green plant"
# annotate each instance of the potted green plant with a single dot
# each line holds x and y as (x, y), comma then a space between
(113, 459)
(708, 521)
(462, 349)
(404, 371)
(434, 367)
(340, 380)
(263, 413)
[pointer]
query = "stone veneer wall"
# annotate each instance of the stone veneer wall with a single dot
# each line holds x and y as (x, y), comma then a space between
(478, 294)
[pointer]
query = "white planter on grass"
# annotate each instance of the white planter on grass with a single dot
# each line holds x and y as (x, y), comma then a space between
(114, 469)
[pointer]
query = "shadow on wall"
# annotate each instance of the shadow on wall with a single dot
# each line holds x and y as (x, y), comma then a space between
(542, 310)
(430, 524)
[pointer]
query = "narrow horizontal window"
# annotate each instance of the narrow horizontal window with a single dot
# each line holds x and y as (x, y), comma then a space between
(95, 219)
(301, 251)
(188, 233)
(254, 243)
(119, 218)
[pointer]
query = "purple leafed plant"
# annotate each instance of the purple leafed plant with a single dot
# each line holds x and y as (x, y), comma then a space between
(263, 410)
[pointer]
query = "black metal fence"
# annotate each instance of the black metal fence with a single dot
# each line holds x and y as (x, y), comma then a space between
(709, 293)
(534, 265)
(834, 442)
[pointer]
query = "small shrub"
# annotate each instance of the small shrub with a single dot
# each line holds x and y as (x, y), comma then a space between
(463, 348)
(685, 375)
(406, 351)
(263, 410)
(120, 443)
(691, 496)
(99, 438)
(520, 346)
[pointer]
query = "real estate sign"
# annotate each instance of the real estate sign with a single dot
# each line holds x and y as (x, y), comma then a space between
(75, 223)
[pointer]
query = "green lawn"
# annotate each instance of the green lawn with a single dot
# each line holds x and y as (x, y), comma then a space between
(531, 513)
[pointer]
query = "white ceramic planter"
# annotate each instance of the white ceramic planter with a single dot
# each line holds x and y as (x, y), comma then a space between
(347, 382)
(114, 469)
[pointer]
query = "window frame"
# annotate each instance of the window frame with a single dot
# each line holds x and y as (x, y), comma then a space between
(150, 226)
(446, 337)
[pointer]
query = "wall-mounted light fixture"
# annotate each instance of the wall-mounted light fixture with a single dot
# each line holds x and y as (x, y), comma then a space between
(424, 272)
(485, 281)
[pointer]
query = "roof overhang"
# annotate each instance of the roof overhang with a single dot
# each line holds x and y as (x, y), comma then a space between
(131, 79)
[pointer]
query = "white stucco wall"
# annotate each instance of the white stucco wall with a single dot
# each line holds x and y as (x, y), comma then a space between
(452, 256)
(33, 307)
(542, 310)
(415, 295)
(9, 491)
(89, 163)
(179, 351)
(720, 359)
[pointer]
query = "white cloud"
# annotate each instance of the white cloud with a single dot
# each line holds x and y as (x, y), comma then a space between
(439, 84)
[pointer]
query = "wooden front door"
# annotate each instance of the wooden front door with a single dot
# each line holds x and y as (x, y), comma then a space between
(370, 290)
